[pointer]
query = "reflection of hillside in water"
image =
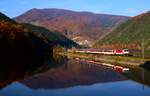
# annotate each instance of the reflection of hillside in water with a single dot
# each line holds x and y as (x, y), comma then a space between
(72, 74)
(16, 72)
(139, 75)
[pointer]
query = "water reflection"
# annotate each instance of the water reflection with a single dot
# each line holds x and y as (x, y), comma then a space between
(10, 73)
(139, 75)
(68, 77)
(71, 74)
(120, 88)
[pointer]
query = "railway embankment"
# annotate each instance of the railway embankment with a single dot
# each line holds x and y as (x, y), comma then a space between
(116, 60)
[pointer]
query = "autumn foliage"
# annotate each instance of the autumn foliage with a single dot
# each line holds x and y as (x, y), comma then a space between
(19, 46)
(11, 31)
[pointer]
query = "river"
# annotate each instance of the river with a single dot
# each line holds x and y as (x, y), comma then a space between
(70, 77)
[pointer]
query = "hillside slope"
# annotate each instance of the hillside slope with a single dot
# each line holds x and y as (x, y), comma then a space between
(129, 34)
(3, 17)
(19, 46)
(27, 44)
(87, 25)
(54, 37)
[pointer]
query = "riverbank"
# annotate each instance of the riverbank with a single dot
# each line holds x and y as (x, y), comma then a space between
(116, 60)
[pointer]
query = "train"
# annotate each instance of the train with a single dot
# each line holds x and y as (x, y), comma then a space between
(105, 52)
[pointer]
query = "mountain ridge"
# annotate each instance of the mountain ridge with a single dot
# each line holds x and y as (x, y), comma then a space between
(130, 34)
(85, 24)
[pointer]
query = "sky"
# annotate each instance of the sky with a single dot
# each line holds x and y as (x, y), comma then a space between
(13, 8)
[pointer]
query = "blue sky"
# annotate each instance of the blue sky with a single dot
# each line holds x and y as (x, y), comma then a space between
(14, 8)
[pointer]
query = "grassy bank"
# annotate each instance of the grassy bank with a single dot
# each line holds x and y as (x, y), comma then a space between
(116, 60)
